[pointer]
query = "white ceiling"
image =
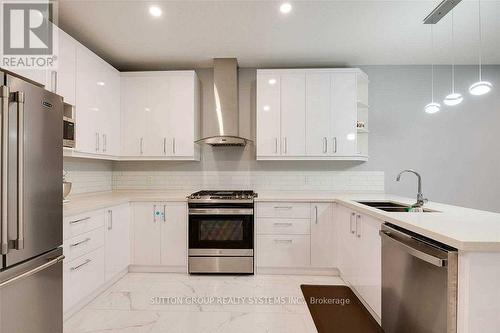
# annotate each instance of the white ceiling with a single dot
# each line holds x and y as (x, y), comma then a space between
(316, 33)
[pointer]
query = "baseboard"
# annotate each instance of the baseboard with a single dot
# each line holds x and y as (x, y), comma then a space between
(157, 269)
(85, 301)
(298, 271)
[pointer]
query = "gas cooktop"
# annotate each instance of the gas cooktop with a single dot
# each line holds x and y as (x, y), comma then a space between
(229, 195)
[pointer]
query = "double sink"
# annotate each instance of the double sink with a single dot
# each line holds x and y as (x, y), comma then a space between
(389, 206)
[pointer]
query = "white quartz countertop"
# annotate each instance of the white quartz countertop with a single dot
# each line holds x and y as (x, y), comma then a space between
(463, 228)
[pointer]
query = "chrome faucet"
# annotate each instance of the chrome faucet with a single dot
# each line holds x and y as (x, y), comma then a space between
(420, 197)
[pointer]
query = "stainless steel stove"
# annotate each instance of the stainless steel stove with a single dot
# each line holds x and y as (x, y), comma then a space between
(221, 232)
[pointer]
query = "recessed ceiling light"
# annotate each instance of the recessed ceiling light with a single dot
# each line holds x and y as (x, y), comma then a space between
(266, 108)
(100, 83)
(147, 109)
(272, 81)
(155, 11)
(286, 8)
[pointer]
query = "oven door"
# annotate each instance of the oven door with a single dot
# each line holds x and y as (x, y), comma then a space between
(221, 232)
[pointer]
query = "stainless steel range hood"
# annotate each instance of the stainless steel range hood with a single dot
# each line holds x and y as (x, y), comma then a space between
(222, 125)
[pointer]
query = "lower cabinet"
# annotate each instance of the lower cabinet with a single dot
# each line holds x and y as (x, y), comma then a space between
(295, 235)
(360, 262)
(160, 234)
(117, 240)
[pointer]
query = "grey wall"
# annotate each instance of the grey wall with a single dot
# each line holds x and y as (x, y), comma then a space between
(456, 150)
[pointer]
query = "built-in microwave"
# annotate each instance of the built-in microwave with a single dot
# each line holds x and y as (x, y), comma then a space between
(69, 132)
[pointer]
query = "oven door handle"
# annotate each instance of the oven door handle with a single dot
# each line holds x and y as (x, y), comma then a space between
(220, 211)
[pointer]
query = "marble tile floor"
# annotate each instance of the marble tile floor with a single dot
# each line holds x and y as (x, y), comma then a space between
(182, 303)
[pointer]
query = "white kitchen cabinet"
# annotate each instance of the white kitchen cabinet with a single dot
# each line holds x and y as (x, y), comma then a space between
(97, 104)
(322, 235)
(117, 240)
(359, 248)
(63, 80)
(160, 234)
(174, 235)
(268, 115)
(160, 115)
(311, 114)
(283, 251)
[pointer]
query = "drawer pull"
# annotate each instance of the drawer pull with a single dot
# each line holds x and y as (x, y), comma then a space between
(80, 243)
(284, 224)
(283, 207)
(81, 265)
(289, 241)
(80, 220)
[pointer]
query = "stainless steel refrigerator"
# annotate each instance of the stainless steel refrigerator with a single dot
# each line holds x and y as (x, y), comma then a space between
(31, 125)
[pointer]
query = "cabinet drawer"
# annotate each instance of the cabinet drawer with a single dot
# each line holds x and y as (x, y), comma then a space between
(79, 224)
(283, 250)
(83, 276)
(277, 226)
(83, 244)
(283, 209)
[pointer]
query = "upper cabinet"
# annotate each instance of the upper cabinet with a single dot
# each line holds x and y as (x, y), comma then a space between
(97, 105)
(62, 80)
(160, 115)
(312, 114)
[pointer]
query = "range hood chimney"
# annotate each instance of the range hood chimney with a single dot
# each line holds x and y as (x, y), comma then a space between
(223, 123)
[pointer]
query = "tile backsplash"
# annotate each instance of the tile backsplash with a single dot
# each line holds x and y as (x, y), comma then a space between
(332, 181)
(90, 181)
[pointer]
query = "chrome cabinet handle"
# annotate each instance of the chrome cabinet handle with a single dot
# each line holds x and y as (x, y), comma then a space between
(334, 144)
(155, 219)
(316, 214)
(80, 220)
(284, 224)
(51, 262)
(276, 145)
(285, 145)
(284, 241)
(110, 224)
(19, 98)
(88, 261)
(54, 81)
(164, 213)
(4, 97)
(141, 146)
(358, 226)
(351, 222)
(325, 145)
(104, 142)
(282, 207)
(164, 146)
(173, 146)
(97, 142)
(80, 243)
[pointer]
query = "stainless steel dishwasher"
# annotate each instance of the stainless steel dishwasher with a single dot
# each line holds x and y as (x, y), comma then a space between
(419, 283)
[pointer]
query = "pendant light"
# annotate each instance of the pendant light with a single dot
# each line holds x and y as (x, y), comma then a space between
(454, 98)
(480, 87)
(432, 107)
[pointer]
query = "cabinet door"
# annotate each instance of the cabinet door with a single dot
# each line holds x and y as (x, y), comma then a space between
(181, 118)
(317, 113)
(89, 101)
(346, 239)
(368, 280)
(293, 114)
(268, 115)
(174, 235)
(156, 129)
(344, 114)
(147, 234)
(110, 129)
(322, 235)
(117, 240)
(65, 84)
(136, 115)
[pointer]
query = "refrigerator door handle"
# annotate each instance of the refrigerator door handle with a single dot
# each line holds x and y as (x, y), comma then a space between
(4, 137)
(19, 99)
(29, 273)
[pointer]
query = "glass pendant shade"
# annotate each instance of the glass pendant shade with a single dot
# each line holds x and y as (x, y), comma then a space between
(453, 99)
(480, 88)
(432, 108)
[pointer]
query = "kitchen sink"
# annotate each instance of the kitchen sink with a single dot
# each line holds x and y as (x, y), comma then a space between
(389, 206)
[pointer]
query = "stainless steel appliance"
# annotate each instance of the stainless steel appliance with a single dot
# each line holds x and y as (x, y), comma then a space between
(221, 232)
(419, 283)
(69, 132)
(31, 132)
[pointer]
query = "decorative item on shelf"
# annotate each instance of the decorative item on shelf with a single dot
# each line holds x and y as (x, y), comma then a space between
(480, 87)
(432, 107)
(360, 124)
(66, 187)
(454, 98)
